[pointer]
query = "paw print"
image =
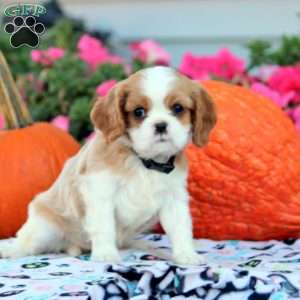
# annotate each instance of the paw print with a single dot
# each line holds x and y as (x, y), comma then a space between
(35, 265)
(24, 31)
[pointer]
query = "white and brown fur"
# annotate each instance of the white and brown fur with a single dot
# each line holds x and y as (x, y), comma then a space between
(105, 196)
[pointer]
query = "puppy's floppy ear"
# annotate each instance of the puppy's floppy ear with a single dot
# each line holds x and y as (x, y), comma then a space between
(204, 116)
(107, 113)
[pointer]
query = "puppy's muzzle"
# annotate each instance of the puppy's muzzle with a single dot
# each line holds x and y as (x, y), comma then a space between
(161, 128)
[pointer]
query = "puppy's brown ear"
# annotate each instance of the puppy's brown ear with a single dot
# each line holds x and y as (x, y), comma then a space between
(204, 116)
(107, 113)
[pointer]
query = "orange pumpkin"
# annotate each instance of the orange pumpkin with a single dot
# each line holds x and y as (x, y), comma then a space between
(245, 184)
(30, 158)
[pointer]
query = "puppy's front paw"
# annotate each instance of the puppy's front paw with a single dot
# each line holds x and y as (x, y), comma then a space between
(11, 250)
(188, 258)
(112, 256)
(73, 250)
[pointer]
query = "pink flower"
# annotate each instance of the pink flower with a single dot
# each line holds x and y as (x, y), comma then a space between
(150, 52)
(36, 55)
(90, 137)
(115, 59)
(61, 122)
(276, 97)
(266, 71)
(105, 87)
(223, 64)
(88, 43)
(2, 122)
(47, 57)
(228, 65)
(295, 115)
(92, 51)
(55, 53)
(286, 80)
(196, 67)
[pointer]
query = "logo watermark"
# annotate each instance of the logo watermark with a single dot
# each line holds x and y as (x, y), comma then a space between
(24, 30)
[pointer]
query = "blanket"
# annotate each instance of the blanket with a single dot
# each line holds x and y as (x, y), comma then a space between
(232, 270)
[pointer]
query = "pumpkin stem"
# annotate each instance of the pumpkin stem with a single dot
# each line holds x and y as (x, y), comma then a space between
(12, 106)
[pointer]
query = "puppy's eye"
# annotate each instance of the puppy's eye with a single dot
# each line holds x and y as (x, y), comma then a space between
(139, 112)
(177, 109)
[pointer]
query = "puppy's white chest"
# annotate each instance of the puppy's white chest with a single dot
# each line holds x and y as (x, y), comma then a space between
(141, 197)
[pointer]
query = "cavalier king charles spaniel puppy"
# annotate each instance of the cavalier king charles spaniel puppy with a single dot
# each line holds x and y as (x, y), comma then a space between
(132, 175)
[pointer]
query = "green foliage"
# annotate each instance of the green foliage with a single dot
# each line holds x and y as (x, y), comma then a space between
(107, 72)
(138, 65)
(67, 87)
(287, 53)
(17, 58)
(63, 35)
(66, 79)
(259, 53)
(80, 117)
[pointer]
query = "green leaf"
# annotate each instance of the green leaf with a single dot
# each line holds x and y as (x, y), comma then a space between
(80, 118)
(138, 65)
(259, 53)
(286, 53)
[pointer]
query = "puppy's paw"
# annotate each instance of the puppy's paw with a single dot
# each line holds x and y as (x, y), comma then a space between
(73, 250)
(189, 258)
(112, 256)
(11, 250)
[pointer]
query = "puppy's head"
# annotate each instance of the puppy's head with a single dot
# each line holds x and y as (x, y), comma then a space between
(158, 110)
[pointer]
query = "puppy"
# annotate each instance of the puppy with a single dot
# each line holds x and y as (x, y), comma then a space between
(132, 175)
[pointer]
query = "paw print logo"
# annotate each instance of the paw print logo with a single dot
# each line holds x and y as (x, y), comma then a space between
(24, 31)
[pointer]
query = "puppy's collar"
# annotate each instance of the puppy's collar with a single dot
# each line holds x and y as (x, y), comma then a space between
(166, 167)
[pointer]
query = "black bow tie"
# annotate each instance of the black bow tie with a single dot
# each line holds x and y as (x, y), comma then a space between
(166, 167)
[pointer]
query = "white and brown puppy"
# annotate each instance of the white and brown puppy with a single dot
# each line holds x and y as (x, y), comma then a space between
(130, 176)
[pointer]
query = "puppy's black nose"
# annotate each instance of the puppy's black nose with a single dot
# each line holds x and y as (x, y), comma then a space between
(161, 127)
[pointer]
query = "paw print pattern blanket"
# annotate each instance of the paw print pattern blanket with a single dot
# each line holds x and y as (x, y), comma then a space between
(233, 270)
